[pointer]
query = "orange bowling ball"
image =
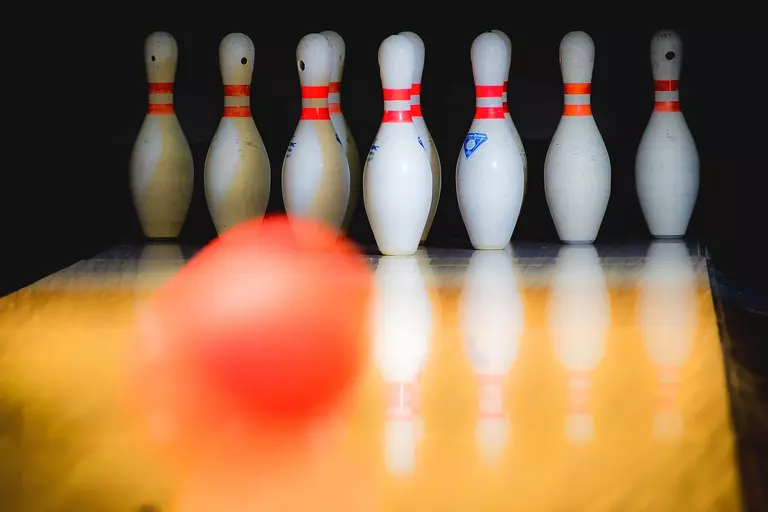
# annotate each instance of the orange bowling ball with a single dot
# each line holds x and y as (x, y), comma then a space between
(272, 315)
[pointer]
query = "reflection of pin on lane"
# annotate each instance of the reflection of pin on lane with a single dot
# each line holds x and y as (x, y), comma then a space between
(401, 327)
(340, 123)
(489, 170)
(316, 177)
(237, 171)
(578, 319)
(161, 167)
(397, 179)
(668, 317)
(491, 317)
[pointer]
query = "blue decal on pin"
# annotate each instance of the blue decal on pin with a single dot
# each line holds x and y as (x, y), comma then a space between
(338, 139)
(372, 152)
(421, 143)
(473, 141)
(291, 145)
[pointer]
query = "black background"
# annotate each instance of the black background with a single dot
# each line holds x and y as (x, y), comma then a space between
(92, 94)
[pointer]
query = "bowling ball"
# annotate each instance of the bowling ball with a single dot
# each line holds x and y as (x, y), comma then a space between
(270, 316)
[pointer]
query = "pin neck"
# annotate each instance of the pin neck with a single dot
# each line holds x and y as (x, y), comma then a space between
(237, 100)
(314, 103)
(397, 106)
(314, 96)
(578, 99)
(488, 103)
(667, 95)
(160, 98)
(334, 97)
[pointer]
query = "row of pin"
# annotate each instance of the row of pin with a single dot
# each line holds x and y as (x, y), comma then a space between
(401, 179)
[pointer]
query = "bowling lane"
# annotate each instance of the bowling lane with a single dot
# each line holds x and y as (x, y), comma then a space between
(535, 378)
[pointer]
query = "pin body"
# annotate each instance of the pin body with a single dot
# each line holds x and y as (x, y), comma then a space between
(237, 172)
(577, 169)
(161, 167)
(667, 162)
(507, 115)
(338, 50)
(316, 177)
(489, 170)
(421, 128)
(397, 178)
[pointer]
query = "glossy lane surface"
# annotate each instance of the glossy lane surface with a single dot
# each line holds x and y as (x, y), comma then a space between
(535, 378)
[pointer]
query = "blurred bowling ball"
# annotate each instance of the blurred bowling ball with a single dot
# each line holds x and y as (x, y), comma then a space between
(271, 314)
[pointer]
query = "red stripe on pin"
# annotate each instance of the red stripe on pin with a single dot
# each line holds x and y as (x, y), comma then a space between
(415, 89)
(397, 116)
(314, 92)
(397, 94)
(237, 90)
(666, 85)
(334, 87)
(237, 111)
(578, 88)
(160, 87)
(489, 91)
(160, 108)
(416, 111)
(489, 113)
(315, 114)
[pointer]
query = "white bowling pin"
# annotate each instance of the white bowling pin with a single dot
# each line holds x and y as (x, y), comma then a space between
(340, 123)
(667, 162)
(315, 169)
(161, 166)
(489, 171)
(505, 108)
(397, 178)
(421, 127)
(237, 171)
(577, 169)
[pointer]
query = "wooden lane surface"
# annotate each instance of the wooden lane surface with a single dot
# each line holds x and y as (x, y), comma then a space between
(613, 397)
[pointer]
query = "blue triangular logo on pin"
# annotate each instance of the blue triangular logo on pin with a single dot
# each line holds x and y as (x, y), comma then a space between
(338, 139)
(421, 143)
(473, 141)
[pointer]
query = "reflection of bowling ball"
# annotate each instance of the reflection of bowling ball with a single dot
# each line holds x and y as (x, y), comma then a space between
(270, 315)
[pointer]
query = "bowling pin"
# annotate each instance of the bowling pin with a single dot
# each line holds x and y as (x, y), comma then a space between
(397, 178)
(489, 171)
(505, 108)
(340, 123)
(577, 169)
(421, 127)
(161, 166)
(237, 171)
(667, 162)
(316, 174)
